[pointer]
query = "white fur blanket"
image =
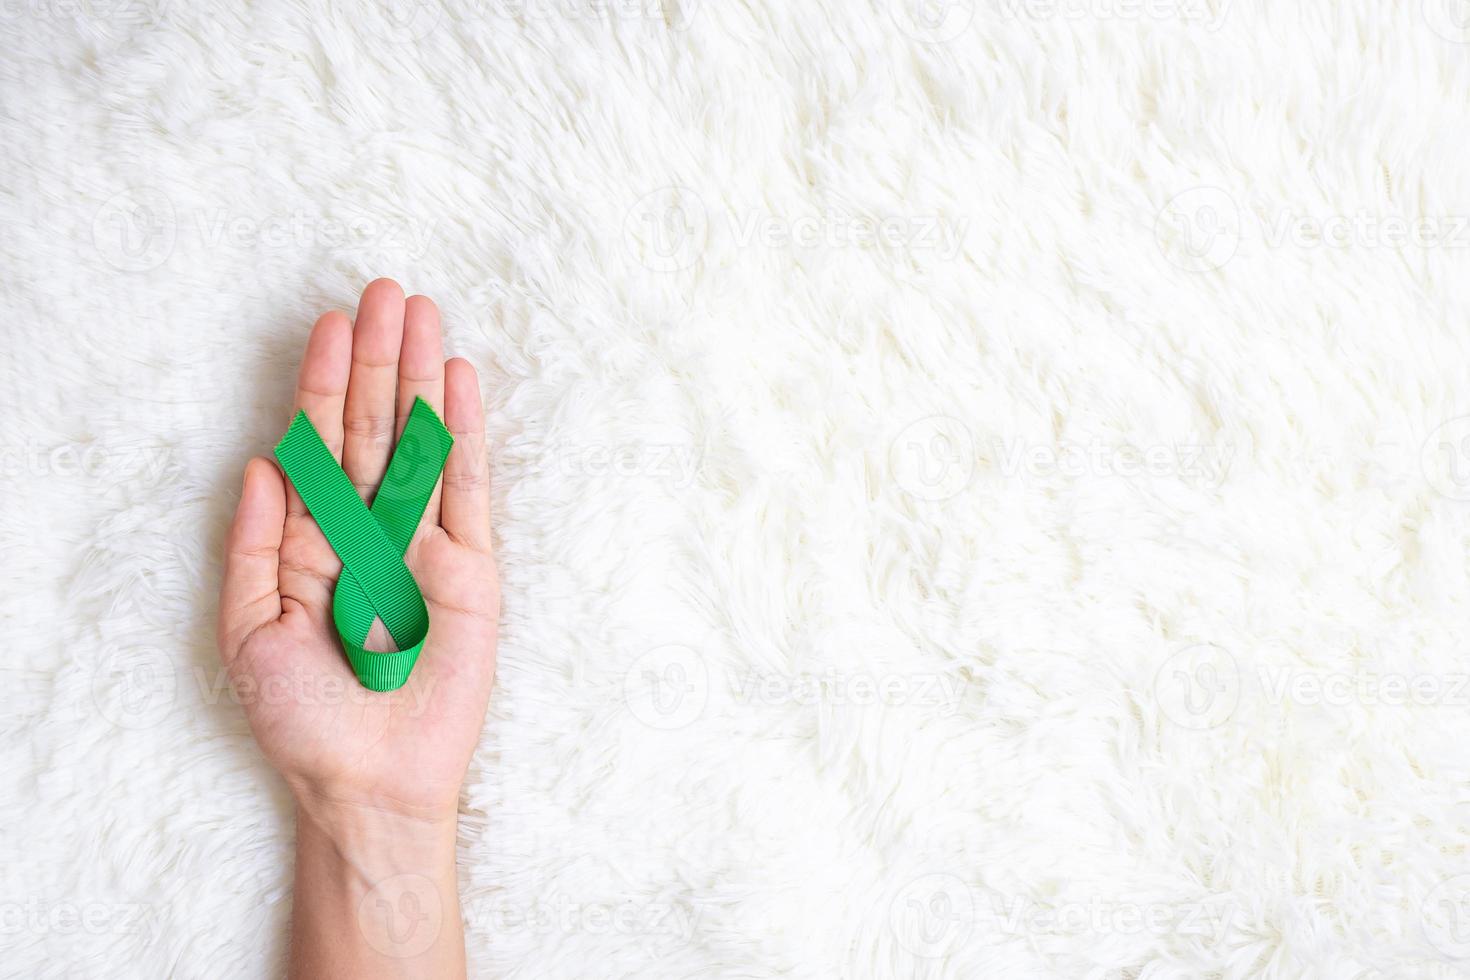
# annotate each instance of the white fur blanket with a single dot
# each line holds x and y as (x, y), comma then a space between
(983, 486)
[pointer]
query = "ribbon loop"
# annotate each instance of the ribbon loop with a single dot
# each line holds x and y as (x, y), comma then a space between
(375, 581)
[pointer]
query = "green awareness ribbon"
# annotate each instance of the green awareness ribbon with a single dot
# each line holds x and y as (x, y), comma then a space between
(375, 582)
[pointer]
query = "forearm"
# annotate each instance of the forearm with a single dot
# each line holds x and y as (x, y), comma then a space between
(375, 896)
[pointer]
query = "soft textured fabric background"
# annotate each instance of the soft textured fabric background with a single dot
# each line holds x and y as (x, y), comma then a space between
(979, 484)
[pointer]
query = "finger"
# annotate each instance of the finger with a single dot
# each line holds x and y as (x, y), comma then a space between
(421, 374)
(465, 513)
(308, 564)
(322, 385)
(367, 420)
(250, 596)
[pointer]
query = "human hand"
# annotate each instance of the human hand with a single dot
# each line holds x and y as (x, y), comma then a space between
(376, 776)
(336, 743)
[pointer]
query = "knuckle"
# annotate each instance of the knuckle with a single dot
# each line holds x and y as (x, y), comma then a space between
(466, 480)
(374, 428)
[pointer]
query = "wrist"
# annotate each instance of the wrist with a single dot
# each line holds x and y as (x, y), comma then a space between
(360, 845)
(357, 814)
(376, 892)
(376, 836)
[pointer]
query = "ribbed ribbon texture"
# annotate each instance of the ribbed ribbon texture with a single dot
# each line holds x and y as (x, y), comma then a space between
(375, 582)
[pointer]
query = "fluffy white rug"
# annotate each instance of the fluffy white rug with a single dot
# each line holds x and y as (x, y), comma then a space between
(980, 491)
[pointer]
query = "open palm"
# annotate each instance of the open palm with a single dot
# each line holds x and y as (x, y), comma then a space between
(333, 740)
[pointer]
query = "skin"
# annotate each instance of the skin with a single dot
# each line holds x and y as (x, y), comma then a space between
(376, 777)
